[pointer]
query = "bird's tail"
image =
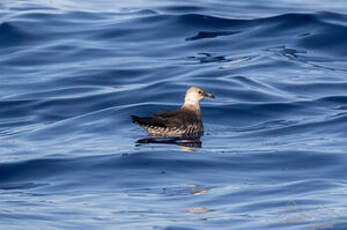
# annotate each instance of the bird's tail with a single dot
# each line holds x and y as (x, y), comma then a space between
(134, 118)
(139, 120)
(146, 121)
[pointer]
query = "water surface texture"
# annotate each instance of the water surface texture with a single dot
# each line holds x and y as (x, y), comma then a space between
(274, 151)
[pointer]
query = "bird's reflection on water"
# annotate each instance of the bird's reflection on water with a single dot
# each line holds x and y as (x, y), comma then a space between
(188, 144)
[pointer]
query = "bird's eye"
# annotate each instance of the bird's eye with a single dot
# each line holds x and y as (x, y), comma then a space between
(200, 92)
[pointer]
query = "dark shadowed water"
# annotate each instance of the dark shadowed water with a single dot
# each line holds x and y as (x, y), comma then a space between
(274, 152)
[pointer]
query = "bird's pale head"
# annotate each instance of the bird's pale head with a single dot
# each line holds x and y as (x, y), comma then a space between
(195, 94)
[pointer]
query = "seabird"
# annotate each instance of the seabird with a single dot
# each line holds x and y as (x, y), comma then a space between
(185, 122)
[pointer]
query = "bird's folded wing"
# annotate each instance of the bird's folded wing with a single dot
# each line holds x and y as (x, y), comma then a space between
(172, 118)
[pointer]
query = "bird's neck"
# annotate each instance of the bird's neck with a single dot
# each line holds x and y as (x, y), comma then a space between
(192, 107)
(192, 101)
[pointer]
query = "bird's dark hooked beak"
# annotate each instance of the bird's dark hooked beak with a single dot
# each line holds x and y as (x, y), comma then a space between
(209, 95)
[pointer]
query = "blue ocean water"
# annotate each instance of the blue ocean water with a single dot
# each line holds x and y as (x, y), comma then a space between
(274, 151)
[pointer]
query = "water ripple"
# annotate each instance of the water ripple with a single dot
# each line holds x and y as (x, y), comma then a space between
(72, 74)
